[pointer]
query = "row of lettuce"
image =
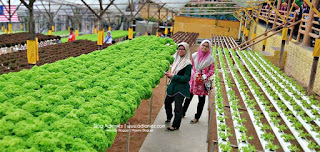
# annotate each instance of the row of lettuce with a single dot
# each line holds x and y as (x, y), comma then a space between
(59, 33)
(292, 118)
(55, 107)
(94, 37)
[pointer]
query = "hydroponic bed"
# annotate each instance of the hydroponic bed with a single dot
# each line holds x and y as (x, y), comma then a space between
(54, 107)
(60, 33)
(17, 61)
(257, 107)
(190, 38)
(94, 37)
(8, 40)
(1, 32)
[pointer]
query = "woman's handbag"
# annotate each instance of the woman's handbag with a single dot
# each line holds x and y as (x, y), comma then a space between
(207, 85)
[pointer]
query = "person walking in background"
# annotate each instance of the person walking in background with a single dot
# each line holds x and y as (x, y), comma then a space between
(202, 69)
(178, 89)
(108, 38)
(72, 36)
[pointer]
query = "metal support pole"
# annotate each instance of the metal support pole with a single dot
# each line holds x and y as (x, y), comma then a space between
(313, 74)
(240, 32)
(281, 52)
(212, 146)
(150, 116)
(264, 43)
(254, 33)
(128, 137)
(284, 38)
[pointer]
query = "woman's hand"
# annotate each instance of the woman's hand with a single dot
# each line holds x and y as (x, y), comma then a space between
(204, 77)
(169, 75)
(200, 78)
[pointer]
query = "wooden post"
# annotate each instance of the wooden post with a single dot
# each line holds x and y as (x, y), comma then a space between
(148, 16)
(265, 41)
(159, 12)
(31, 18)
(283, 43)
(316, 54)
(32, 27)
(284, 39)
(242, 27)
(131, 12)
(267, 24)
(276, 17)
(306, 36)
(50, 18)
(166, 27)
(245, 27)
(76, 17)
(100, 47)
(289, 6)
(33, 57)
(48, 11)
(256, 25)
(109, 20)
(246, 33)
(10, 25)
(131, 8)
(292, 29)
(239, 33)
(313, 74)
(254, 33)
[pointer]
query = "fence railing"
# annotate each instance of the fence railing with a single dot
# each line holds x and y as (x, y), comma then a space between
(315, 27)
(270, 16)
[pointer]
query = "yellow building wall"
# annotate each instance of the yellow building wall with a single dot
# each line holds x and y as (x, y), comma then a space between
(206, 27)
(298, 61)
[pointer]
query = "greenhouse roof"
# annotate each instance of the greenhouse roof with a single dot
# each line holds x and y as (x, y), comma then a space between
(117, 7)
(245, 3)
(174, 5)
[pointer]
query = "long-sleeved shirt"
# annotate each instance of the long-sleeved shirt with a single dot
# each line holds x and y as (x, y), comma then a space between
(72, 37)
(198, 88)
(108, 40)
(180, 83)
